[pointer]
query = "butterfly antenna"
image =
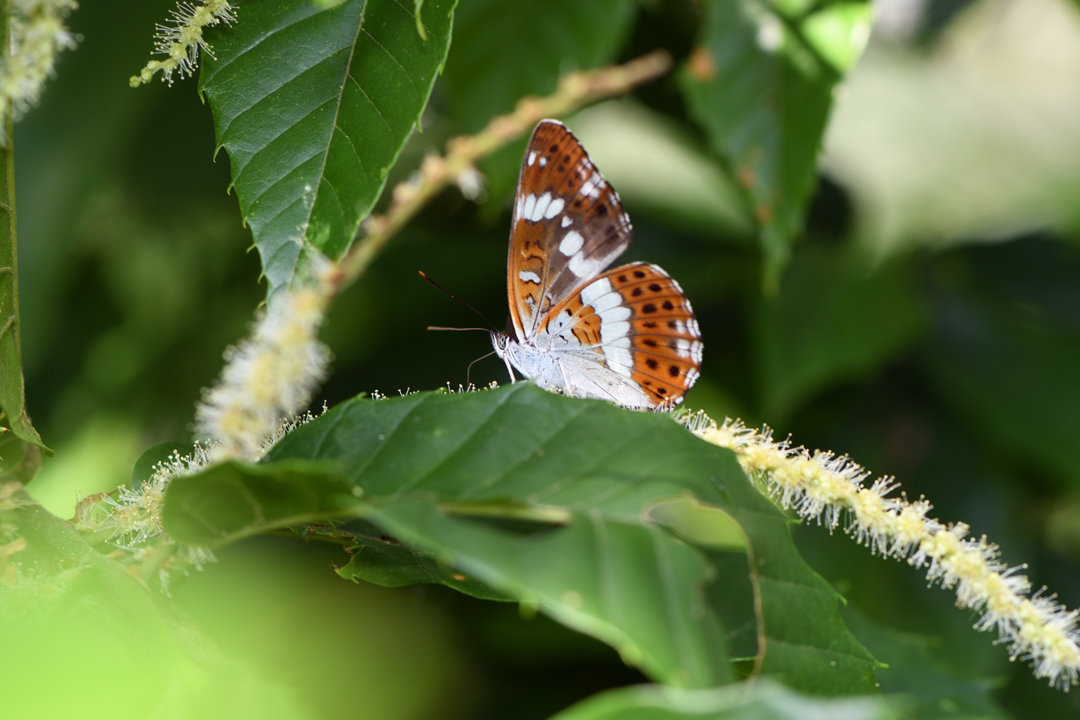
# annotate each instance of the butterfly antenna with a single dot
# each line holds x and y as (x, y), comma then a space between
(437, 327)
(455, 297)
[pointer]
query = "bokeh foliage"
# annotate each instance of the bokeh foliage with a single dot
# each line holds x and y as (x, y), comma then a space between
(925, 322)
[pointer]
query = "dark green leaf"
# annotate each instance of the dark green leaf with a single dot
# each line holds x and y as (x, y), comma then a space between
(915, 684)
(447, 473)
(765, 701)
(504, 51)
(144, 466)
(832, 322)
(19, 461)
(631, 584)
(391, 564)
(1006, 350)
(232, 500)
(314, 103)
(761, 84)
(12, 395)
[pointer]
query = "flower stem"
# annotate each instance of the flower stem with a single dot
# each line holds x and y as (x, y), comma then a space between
(12, 393)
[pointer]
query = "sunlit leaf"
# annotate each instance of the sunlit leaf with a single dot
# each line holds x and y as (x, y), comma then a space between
(68, 612)
(313, 103)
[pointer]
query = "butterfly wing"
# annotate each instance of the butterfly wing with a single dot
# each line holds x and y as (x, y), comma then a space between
(629, 335)
(568, 226)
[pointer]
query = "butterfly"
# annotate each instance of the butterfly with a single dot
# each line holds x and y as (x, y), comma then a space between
(627, 335)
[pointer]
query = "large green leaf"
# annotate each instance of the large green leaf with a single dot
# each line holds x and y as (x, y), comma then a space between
(832, 322)
(548, 499)
(765, 701)
(504, 51)
(313, 102)
(12, 395)
(761, 84)
(236, 499)
(69, 612)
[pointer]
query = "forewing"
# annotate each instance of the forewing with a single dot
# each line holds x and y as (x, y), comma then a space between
(568, 226)
(636, 321)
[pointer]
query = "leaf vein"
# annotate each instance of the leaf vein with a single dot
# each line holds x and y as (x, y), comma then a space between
(373, 106)
(389, 434)
(238, 113)
(416, 90)
(238, 171)
(487, 485)
(279, 180)
(354, 150)
(446, 458)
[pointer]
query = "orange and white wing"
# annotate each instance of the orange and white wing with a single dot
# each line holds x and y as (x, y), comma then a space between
(629, 335)
(568, 225)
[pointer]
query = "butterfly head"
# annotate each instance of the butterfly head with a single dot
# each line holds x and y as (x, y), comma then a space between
(501, 341)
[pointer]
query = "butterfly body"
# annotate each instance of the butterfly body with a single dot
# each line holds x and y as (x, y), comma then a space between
(627, 335)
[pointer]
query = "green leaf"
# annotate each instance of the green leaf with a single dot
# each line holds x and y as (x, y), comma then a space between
(833, 321)
(233, 500)
(19, 461)
(914, 682)
(67, 611)
(504, 51)
(631, 584)
(549, 500)
(12, 394)
(761, 84)
(313, 105)
(765, 701)
(143, 469)
(1005, 350)
(392, 564)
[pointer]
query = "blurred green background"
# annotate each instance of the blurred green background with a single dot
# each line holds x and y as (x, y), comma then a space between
(928, 325)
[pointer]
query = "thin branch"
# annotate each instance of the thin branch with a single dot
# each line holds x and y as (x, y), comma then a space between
(575, 90)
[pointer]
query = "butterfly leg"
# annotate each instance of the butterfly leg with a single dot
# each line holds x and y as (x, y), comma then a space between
(510, 370)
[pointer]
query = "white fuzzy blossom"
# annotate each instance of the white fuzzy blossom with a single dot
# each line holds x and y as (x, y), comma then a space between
(182, 40)
(826, 488)
(132, 519)
(268, 376)
(36, 34)
(134, 515)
